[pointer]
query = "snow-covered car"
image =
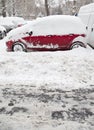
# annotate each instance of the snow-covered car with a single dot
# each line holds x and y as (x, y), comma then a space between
(86, 14)
(17, 21)
(2, 32)
(6, 23)
(11, 22)
(58, 32)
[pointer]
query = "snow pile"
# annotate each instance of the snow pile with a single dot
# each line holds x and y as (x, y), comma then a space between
(54, 69)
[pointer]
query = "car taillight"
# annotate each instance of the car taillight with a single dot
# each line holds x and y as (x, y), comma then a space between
(9, 43)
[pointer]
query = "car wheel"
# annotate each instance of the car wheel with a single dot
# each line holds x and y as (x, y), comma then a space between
(77, 45)
(18, 47)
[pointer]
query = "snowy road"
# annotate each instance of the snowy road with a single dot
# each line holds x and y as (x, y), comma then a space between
(47, 90)
(25, 107)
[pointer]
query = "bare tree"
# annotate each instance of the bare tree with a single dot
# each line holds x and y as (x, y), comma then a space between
(47, 8)
(3, 2)
(30, 9)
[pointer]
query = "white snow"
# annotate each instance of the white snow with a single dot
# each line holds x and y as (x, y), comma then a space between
(65, 70)
(57, 69)
(87, 8)
(2, 28)
(11, 21)
(51, 25)
(5, 21)
(58, 24)
(86, 14)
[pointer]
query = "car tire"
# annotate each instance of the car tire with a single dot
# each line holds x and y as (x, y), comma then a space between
(19, 47)
(77, 45)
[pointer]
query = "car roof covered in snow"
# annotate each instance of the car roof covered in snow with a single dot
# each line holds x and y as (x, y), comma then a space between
(55, 24)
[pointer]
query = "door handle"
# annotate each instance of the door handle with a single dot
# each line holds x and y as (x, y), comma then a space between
(71, 34)
(91, 29)
(86, 27)
(49, 35)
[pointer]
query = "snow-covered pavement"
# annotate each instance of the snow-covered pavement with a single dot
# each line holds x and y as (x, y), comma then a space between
(47, 90)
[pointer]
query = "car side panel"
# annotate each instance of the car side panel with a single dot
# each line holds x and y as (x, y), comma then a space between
(50, 42)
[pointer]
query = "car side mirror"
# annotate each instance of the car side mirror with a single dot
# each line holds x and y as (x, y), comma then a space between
(30, 33)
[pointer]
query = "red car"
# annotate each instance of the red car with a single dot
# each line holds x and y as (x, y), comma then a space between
(58, 32)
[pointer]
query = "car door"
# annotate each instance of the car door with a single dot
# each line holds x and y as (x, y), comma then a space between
(43, 36)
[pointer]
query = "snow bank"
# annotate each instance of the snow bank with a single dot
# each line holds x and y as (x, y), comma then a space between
(64, 70)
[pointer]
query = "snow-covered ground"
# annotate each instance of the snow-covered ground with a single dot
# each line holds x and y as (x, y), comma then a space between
(47, 90)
